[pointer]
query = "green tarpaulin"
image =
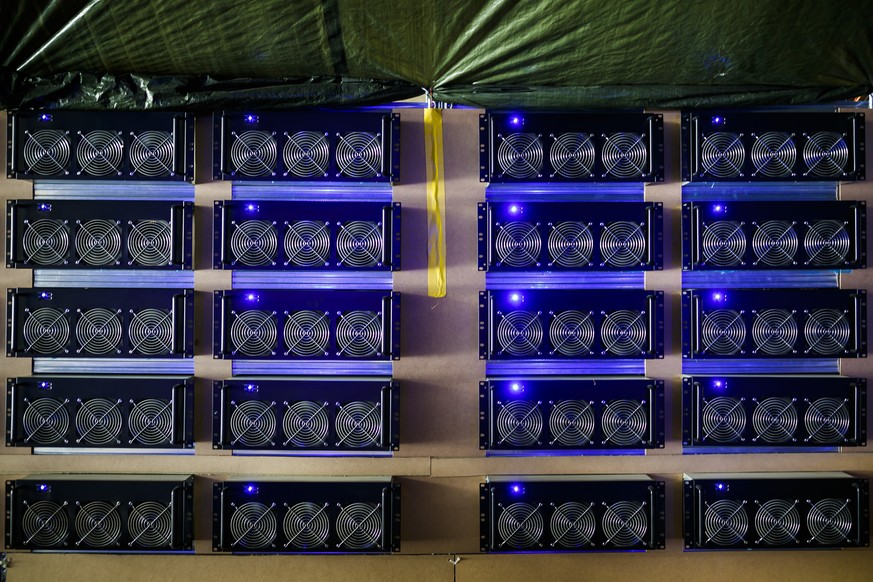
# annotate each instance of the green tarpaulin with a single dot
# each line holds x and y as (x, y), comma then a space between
(184, 54)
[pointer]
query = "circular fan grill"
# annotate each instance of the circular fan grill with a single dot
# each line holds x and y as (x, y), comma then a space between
(253, 153)
(253, 242)
(152, 153)
(623, 244)
(570, 244)
(253, 333)
(305, 424)
(151, 332)
(253, 525)
(306, 154)
(306, 525)
(99, 153)
(517, 244)
(723, 243)
(253, 423)
(624, 332)
(777, 522)
(774, 332)
(359, 244)
(359, 154)
(827, 420)
(827, 332)
(625, 155)
(151, 422)
(98, 331)
(359, 334)
(571, 423)
(47, 152)
(150, 243)
(44, 524)
(306, 333)
(520, 525)
(359, 526)
(307, 243)
(98, 524)
(724, 419)
(726, 522)
(573, 525)
(520, 155)
(624, 422)
(625, 523)
(359, 424)
(773, 154)
(98, 421)
(722, 155)
(45, 241)
(45, 331)
(520, 333)
(98, 242)
(45, 421)
(826, 243)
(829, 521)
(150, 525)
(572, 155)
(722, 332)
(775, 420)
(826, 154)
(571, 333)
(519, 423)
(774, 243)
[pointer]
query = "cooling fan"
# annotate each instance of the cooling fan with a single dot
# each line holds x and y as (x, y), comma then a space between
(337, 515)
(774, 332)
(827, 243)
(519, 333)
(722, 155)
(827, 420)
(253, 333)
(358, 424)
(520, 155)
(623, 244)
(761, 511)
(518, 244)
(46, 331)
(624, 332)
(359, 155)
(572, 155)
(102, 513)
(359, 244)
(773, 154)
(151, 422)
(100, 153)
(572, 333)
(723, 243)
(307, 243)
(98, 421)
(573, 525)
(774, 243)
(46, 152)
(151, 332)
(253, 423)
(723, 332)
(150, 243)
(520, 525)
(827, 332)
(571, 423)
(45, 242)
(152, 153)
(625, 422)
(45, 421)
(519, 423)
(99, 331)
(774, 420)
(625, 523)
(306, 154)
(625, 155)
(306, 525)
(723, 419)
(305, 424)
(253, 153)
(98, 242)
(253, 242)
(306, 333)
(570, 244)
(359, 334)
(826, 154)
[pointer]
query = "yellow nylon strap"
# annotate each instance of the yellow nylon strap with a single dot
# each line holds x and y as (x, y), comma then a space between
(436, 200)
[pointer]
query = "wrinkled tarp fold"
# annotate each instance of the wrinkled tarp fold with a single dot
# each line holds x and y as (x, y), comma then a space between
(171, 54)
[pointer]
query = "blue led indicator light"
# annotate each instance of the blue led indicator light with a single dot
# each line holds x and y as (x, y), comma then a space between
(45, 117)
(44, 207)
(250, 489)
(514, 209)
(515, 297)
(717, 120)
(251, 118)
(516, 120)
(250, 388)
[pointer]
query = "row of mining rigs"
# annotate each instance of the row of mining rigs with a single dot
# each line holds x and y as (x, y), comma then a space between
(565, 239)
(311, 324)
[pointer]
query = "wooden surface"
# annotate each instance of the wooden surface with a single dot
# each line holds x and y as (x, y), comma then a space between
(439, 460)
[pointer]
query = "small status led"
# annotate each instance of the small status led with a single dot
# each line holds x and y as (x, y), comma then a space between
(251, 207)
(516, 120)
(719, 208)
(44, 385)
(251, 296)
(515, 387)
(250, 387)
(514, 209)
(719, 296)
(515, 297)
(516, 489)
(43, 487)
(249, 118)
(45, 295)
(45, 117)
(719, 486)
(717, 120)
(44, 207)
(718, 383)
(250, 489)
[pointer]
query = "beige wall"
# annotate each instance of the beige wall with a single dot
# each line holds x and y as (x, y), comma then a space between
(439, 457)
